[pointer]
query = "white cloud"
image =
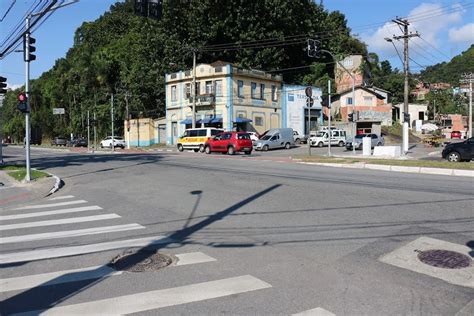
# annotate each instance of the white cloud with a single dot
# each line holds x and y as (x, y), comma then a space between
(463, 34)
(13, 86)
(429, 19)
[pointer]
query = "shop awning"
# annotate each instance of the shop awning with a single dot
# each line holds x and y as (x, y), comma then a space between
(242, 120)
(211, 120)
(187, 121)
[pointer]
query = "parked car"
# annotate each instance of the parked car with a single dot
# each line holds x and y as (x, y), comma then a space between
(230, 143)
(462, 151)
(195, 138)
(299, 138)
(376, 140)
(338, 138)
(456, 134)
(275, 138)
(118, 142)
(78, 142)
(253, 136)
(59, 141)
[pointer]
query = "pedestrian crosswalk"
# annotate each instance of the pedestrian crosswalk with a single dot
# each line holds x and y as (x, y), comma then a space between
(49, 220)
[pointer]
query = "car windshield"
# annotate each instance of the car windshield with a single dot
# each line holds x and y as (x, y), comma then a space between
(320, 134)
(266, 137)
(360, 136)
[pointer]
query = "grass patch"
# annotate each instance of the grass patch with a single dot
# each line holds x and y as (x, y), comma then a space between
(11, 167)
(392, 162)
(19, 172)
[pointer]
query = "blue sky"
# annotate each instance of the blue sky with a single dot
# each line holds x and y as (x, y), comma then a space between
(446, 28)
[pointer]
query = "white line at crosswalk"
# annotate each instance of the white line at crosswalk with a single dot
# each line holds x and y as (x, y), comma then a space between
(140, 302)
(315, 312)
(70, 233)
(49, 253)
(47, 213)
(31, 207)
(61, 197)
(59, 221)
(74, 275)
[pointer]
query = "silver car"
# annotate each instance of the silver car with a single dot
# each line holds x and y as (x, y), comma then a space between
(376, 140)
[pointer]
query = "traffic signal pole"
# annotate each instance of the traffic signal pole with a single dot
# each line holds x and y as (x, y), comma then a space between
(27, 92)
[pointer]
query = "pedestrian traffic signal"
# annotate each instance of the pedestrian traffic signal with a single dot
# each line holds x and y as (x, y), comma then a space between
(28, 47)
(22, 103)
(406, 117)
(351, 117)
(3, 85)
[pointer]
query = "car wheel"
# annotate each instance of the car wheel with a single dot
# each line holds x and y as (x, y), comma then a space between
(201, 148)
(379, 144)
(454, 157)
(101, 145)
(196, 150)
(231, 150)
(341, 144)
(248, 152)
(320, 144)
(287, 146)
(265, 148)
(298, 141)
(180, 147)
(207, 149)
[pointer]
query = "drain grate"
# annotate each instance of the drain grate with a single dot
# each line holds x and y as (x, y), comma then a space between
(142, 260)
(444, 259)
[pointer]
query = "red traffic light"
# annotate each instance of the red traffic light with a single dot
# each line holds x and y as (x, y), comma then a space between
(22, 97)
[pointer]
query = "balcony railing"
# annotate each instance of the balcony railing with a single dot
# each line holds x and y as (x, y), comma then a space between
(204, 99)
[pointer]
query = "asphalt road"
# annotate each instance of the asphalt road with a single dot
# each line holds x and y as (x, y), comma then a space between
(282, 237)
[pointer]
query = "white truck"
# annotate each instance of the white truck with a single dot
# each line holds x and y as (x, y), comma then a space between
(338, 138)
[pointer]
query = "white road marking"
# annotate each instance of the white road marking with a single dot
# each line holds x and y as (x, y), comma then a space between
(79, 250)
(31, 281)
(61, 197)
(46, 213)
(406, 257)
(59, 221)
(193, 258)
(70, 233)
(315, 312)
(146, 301)
(30, 207)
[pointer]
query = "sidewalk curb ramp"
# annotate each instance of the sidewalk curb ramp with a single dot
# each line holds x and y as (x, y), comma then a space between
(422, 170)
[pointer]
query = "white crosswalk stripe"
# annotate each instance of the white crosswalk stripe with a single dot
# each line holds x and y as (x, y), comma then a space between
(30, 207)
(47, 213)
(315, 312)
(61, 197)
(146, 301)
(70, 233)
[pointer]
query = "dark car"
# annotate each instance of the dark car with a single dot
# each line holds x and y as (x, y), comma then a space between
(78, 142)
(59, 141)
(230, 143)
(463, 151)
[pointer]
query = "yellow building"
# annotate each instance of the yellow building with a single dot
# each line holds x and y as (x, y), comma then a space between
(227, 97)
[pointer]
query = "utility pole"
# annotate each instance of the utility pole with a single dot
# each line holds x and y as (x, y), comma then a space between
(27, 92)
(128, 120)
(88, 131)
(406, 116)
(329, 118)
(194, 90)
(112, 118)
(468, 78)
(95, 131)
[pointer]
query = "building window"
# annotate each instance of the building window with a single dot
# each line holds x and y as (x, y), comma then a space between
(240, 89)
(209, 89)
(218, 87)
(262, 91)
(253, 90)
(348, 100)
(258, 121)
(173, 93)
(198, 88)
(274, 93)
(368, 101)
(218, 69)
(187, 91)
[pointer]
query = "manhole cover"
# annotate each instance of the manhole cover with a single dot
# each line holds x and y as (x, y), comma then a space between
(444, 259)
(140, 261)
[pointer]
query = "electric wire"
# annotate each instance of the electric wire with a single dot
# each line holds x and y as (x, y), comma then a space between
(8, 10)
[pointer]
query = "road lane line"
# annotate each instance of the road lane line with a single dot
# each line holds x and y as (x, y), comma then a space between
(59, 221)
(30, 207)
(66, 276)
(193, 258)
(315, 312)
(6, 258)
(70, 233)
(146, 301)
(61, 197)
(47, 213)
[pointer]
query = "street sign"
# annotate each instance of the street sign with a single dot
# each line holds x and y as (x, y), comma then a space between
(309, 102)
(58, 111)
(308, 91)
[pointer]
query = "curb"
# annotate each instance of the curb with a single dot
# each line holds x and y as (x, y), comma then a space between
(421, 170)
(59, 184)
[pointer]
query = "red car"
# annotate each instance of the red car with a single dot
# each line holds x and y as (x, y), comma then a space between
(230, 143)
(456, 134)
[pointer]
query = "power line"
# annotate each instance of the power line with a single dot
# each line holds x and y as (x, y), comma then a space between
(8, 10)
(434, 47)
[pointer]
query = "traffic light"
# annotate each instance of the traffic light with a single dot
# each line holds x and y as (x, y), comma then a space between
(148, 8)
(313, 48)
(351, 117)
(22, 103)
(3, 85)
(406, 117)
(28, 47)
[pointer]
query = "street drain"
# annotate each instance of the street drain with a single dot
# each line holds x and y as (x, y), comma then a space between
(444, 259)
(142, 260)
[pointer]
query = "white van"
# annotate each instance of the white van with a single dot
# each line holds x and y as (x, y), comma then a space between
(338, 137)
(275, 138)
(194, 138)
